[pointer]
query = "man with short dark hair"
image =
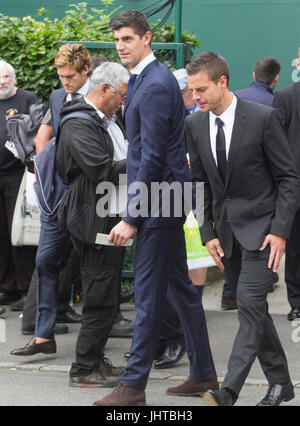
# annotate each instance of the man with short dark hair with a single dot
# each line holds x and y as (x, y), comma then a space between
(154, 118)
(265, 76)
(239, 150)
(287, 102)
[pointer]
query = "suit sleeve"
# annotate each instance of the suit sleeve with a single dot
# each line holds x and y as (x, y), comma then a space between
(284, 172)
(199, 175)
(280, 105)
(155, 126)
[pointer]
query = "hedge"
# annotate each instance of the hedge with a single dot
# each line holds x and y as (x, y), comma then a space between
(30, 44)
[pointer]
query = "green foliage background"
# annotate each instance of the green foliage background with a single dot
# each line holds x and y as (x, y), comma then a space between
(30, 44)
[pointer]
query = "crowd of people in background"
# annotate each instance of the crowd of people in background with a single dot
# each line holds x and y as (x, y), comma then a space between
(141, 120)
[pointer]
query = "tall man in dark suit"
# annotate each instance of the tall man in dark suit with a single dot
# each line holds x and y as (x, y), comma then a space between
(239, 150)
(287, 102)
(154, 119)
(265, 78)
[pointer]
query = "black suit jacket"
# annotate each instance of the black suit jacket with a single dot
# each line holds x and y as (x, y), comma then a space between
(261, 181)
(287, 102)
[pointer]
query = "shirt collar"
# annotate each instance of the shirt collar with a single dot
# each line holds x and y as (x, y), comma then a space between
(263, 86)
(228, 114)
(106, 121)
(143, 64)
(82, 91)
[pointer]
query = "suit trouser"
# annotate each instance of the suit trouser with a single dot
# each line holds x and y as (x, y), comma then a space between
(292, 264)
(249, 275)
(160, 270)
(101, 270)
(16, 263)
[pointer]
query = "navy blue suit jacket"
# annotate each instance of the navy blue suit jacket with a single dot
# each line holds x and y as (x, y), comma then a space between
(257, 92)
(56, 100)
(154, 120)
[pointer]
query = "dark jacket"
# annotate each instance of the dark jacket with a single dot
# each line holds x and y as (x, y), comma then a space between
(84, 159)
(257, 92)
(261, 181)
(287, 102)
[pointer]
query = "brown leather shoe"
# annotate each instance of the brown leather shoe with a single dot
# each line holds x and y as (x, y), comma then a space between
(94, 380)
(123, 396)
(228, 303)
(192, 387)
(33, 348)
(108, 370)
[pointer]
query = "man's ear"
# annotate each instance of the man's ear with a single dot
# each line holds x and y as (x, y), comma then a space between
(254, 76)
(148, 37)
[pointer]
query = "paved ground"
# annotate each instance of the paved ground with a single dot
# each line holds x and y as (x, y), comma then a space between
(43, 380)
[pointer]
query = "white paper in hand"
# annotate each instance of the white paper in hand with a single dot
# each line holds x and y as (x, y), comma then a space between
(102, 239)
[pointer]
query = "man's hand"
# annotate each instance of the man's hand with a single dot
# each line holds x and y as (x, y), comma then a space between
(215, 250)
(277, 246)
(121, 233)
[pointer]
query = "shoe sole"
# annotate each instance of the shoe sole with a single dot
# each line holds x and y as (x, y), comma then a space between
(104, 385)
(44, 353)
(186, 394)
(209, 400)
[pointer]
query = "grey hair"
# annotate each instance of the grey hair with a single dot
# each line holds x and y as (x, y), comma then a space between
(111, 73)
(10, 68)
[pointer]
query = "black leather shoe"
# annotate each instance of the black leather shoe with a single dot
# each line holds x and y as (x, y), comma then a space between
(220, 398)
(172, 355)
(18, 306)
(58, 329)
(278, 394)
(69, 316)
(32, 348)
(7, 298)
(122, 328)
(294, 314)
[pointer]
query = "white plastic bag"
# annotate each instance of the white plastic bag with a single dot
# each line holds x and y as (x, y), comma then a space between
(26, 223)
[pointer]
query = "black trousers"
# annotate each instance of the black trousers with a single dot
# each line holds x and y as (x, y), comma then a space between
(248, 274)
(101, 271)
(16, 263)
(292, 264)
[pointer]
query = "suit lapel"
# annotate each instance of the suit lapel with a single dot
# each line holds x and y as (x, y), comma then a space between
(237, 133)
(139, 81)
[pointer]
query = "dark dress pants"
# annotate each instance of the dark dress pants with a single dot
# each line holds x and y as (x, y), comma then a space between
(160, 271)
(250, 278)
(16, 263)
(49, 261)
(292, 264)
(100, 277)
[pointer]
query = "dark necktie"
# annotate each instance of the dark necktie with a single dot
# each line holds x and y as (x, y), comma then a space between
(131, 82)
(221, 149)
(76, 96)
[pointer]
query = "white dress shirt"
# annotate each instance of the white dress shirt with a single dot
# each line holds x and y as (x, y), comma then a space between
(227, 117)
(143, 64)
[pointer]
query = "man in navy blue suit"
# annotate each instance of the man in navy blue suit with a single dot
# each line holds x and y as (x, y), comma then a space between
(154, 119)
(265, 78)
